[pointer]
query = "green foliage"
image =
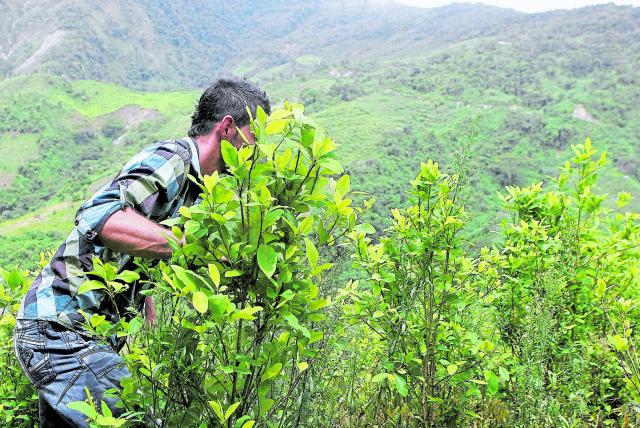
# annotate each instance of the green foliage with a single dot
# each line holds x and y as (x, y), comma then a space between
(536, 330)
(424, 301)
(563, 247)
(18, 399)
(238, 306)
(101, 417)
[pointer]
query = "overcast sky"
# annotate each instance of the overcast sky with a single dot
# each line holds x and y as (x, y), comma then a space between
(522, 5)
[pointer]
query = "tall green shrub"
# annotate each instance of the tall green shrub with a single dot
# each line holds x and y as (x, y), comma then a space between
(567, 254)
(238, 302)
(432, 355)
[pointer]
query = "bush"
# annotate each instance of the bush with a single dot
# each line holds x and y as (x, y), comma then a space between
(239, 308)
(18, 399)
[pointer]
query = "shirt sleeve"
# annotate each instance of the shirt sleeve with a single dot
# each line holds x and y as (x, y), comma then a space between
(148, 183)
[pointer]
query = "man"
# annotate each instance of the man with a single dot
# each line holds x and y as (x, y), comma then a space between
(120, 221)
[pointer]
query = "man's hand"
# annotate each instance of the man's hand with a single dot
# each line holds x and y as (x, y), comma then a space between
(129, 232)
(150, 312)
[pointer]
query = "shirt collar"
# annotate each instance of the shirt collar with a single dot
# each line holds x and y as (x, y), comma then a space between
(195, 151)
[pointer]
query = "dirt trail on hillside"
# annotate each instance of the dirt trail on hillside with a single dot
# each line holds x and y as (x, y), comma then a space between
(49, 41)
(131, 116)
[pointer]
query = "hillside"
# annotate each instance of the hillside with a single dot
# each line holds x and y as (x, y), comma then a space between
(155, 44)
(518, 94)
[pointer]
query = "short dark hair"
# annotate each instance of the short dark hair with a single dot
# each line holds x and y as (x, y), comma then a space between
(227, 96)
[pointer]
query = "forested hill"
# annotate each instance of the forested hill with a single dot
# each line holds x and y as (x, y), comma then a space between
(154, 44)
(395, 85)
(158, 45)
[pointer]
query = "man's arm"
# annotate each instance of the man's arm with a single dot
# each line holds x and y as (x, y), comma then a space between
(117, 216)
(128, 232)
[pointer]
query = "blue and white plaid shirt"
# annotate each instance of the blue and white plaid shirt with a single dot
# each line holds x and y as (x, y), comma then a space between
(155, 184)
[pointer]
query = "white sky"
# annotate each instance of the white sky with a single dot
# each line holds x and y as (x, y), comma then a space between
(522, 5)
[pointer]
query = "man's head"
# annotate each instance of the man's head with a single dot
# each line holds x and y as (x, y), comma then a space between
(221, 110)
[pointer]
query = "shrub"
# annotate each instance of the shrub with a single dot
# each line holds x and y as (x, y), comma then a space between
(239, 307)
(18, 399)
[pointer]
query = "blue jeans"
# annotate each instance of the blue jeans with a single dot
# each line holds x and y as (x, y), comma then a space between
(60, 363)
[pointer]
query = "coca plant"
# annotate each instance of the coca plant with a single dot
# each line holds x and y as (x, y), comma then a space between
(18, 399)
(432, 358)
(571, 289)
(238, 303)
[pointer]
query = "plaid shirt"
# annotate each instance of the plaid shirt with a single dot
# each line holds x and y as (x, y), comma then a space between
(153, 183)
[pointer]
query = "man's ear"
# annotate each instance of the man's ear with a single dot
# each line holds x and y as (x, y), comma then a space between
(227, 128)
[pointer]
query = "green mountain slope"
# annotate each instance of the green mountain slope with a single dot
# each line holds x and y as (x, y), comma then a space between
(157, 44)
(518, 94)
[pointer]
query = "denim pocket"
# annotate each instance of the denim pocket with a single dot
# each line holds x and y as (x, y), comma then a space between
(101, 359)
(35, 361)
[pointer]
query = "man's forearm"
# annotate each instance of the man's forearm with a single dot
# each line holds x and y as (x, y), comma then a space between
(128, 232)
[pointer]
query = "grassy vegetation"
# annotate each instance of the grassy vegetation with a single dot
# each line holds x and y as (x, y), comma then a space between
(14, 151)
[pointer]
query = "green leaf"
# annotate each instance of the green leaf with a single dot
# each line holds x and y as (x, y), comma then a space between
(312, 253)
(261, 116)
(475, 415)
(292, 320)
(493, 382)
(379, 377)
(91, 285)
(128, 276)
(601, 288)
(275, 126)
(220, 303)
(279, 114)
(287, 295)
(306, 225)
(184, 278)
(265, 405)
(109, 421)
(332, 166)
(314, 305)
(214, 274)
(401, 385)
(267, 260)
(365, 228)
(504, 374)
(623, 199)
(302, 366)
(271, 372)
(209, 183)
(84, 408)
(233, 273)
(200, 301)
(106, 411)
(249, 424)
(246, 313)
(229, 154)
(343, 185)
(452, 369)
(619, 343)
(232, 408)
(217, 408)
